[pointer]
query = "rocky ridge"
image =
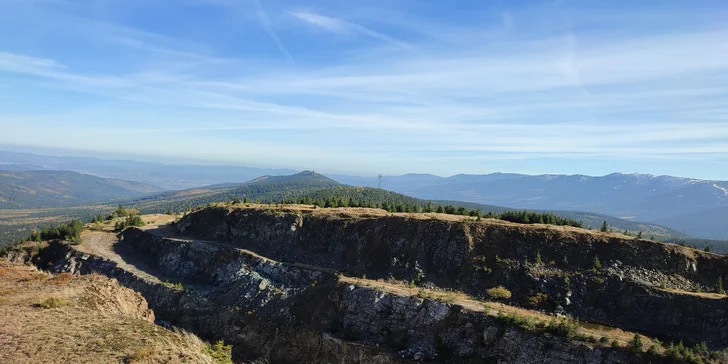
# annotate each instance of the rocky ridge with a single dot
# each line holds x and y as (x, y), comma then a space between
(289, 285)
(284, 314)
(633, 284)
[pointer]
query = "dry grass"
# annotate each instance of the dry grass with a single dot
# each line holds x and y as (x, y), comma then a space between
(53, 302)
(495, 309)
(62, 278)
(372, 213)
(86, 319)
(709, 295)
(154, 219)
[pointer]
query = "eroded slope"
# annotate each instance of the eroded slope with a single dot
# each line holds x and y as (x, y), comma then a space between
(87, 319)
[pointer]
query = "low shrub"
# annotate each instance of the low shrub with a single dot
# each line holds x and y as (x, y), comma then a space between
(538, 300)
(223, 354)
(133, 220)
(568, 328)
(178, 286)
(53, 302)
(499, 293)
(514, 319)
(636, 344)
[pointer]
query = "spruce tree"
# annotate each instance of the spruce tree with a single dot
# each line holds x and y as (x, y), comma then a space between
(597, 264)
(605, 227)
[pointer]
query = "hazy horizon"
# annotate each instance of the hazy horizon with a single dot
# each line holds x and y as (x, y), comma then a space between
(131, 158)
(387, 87)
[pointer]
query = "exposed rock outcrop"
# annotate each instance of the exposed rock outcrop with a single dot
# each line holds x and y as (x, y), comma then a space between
(288, 314)
(473, 256)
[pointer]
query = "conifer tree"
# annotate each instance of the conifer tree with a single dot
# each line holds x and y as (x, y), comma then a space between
(605, 227)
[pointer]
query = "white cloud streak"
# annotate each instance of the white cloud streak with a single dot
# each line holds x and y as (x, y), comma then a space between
(266, 24)
(340, 26)
(565, 95)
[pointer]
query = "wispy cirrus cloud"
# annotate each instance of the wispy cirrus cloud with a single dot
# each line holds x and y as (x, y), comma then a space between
(532, 91)
(266, 24)
(340, 26)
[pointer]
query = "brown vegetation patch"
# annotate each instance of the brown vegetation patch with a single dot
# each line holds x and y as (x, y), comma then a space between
(88, 319)
(62, 278)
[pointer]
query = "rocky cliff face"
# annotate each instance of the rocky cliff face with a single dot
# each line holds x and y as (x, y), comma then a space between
(288, 314)
(629, 291)
(375, 244)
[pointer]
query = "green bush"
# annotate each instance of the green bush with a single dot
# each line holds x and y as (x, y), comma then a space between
(480, 265)
(597, 266)
(499, 293)
(133, 220)
(538, 300)
(223, 354)
(514, 319)
(178, 286)
(568, 328)
(636, 344)
(652, 350)
(70, 232)
(53, 302)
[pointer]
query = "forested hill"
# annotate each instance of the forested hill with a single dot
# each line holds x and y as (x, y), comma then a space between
(262, 189)
(312, 188)
(34, 189)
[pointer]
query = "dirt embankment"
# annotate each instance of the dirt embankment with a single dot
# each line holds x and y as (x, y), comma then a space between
(63, 318)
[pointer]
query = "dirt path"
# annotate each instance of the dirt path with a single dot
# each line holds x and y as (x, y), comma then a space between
(102, 243)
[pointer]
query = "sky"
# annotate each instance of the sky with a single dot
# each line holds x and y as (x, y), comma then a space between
(375, 86)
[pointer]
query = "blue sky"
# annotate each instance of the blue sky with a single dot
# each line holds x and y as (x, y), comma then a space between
(362, 87)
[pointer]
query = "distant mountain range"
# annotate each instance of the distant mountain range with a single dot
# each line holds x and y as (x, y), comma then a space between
(266, 189)
(166, 176)
(36, 189)
(696, 207)
(271, 189)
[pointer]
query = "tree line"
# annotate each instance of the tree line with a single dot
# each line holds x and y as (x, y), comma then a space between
(522, 217)
(71, 232)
